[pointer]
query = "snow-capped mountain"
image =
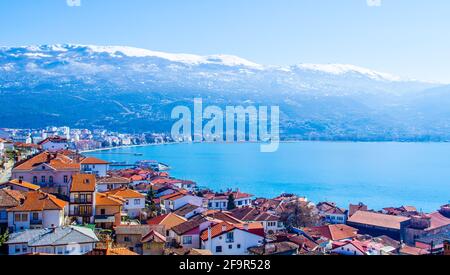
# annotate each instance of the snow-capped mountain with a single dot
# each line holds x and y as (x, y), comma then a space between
(106, 82)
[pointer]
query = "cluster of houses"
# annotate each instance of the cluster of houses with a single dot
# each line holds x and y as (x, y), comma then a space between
(61, 202)
(80, 139)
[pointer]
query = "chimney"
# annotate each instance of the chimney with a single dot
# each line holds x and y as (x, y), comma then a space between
(224, 227)
(246, 226)
(20, 181)
(209, 238)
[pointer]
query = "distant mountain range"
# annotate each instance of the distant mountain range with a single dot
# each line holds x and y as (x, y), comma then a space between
(134, 90)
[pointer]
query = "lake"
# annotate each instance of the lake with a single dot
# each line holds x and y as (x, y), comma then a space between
(378, 174)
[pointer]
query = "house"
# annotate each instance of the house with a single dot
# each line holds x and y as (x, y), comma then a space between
(175, 201)
(219, 201)
(51, 171)
(350, 248)
(278, 248)
(406, 211)
(378, 224)
(153, 243)
(189, 210)
(108, 210)
(8, 199)
(434, 243)
(82, 198)
(131, 236)
(187, 234)
(38, 210)
(94, 166)
(134, 201)
(270, 222)
(231, 239)
(333, 232)
(70, 240)
(167, 221)
(54, 144)
(331, 213)
(19, 185)
(428, 225)
(109, 183)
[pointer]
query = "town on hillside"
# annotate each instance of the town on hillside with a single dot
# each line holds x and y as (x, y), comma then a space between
(56, 201)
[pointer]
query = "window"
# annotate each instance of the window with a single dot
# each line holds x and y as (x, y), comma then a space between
(102, 211)
(43, 179)
(137, 201)
(35, 180)
(21, 178)
(239, 246)
(35, 216)
(66, 179)
(17, 248)
(218, 249)
(187, 239)
(126, 239)
(230, 246)
(217, 205)
(239, 202)
(3, 215)
(43, 167)
(50, 179)
(230, 237)
(20, 217)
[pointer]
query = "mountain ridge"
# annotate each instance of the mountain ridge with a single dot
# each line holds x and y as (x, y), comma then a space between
(92, 86)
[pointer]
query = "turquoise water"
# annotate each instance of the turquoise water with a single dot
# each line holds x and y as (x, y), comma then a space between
(378, 174)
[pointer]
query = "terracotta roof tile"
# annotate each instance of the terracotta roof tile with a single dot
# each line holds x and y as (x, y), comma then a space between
(83, 183)
(23, 184)
(39, 201)
(125, 193)
(377, 219)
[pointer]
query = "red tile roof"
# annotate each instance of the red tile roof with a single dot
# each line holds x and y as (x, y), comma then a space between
(224, 227)
(55, 160)
(23, 184)
(125, 193)
(39, 201)
(83, 183)
(92, 160)
(377, 219)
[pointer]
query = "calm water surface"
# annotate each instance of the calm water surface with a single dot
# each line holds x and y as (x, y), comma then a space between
(378, 174)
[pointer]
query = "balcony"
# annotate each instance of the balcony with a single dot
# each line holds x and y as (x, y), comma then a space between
(80, 214)
(35, 222)
(81, 201)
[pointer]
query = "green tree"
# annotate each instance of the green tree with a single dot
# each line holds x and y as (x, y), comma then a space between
(298, 214)
(231, 202)
(151, 200)
(4, 238)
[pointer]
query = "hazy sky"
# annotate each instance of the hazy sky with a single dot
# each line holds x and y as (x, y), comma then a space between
(403, 37)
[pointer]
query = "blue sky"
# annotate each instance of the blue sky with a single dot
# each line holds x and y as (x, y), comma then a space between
(403, 37)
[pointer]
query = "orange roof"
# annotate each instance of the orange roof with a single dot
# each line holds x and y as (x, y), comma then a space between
(377, 219)
(125, 193)
(23, 184)
(224, 227)
(108, 200)
(55, 160)
(169, 220)
(335, 232)
(83, 183)
(39, 201)
(92, 160)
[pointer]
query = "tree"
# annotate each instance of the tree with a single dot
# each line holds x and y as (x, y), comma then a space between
(298, 214)
(151, 200)
(4, 238)
(231, 203)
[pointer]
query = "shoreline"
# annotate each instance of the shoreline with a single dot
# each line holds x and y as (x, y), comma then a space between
(249, 142)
